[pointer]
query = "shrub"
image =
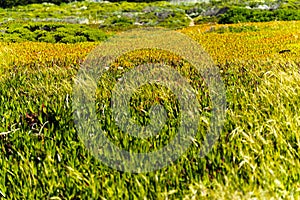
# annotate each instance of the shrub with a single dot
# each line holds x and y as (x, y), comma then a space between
(237, 15)
(51, 32)
(73, 39)
(12, 38)
(47, 38)
(59, 36)
(22, 33)
(94, 35)
(121, 21)
(203, 19)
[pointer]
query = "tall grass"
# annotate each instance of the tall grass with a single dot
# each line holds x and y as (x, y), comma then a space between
(256, 156)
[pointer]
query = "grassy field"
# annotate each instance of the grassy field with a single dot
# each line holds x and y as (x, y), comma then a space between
(256, 156)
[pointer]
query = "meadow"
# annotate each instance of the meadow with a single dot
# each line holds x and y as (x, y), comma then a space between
(255, 157)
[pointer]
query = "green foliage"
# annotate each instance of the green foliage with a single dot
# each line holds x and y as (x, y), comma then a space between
(114, 16)
(92, 35)
(120, 21)
(50, 32)
(11, 3)
(47, 38)
(205, 19)
(125, 15)
(73, 39)
(237, 15)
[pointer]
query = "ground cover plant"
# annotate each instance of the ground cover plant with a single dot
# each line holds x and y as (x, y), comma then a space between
(256, 156)
(51, 33)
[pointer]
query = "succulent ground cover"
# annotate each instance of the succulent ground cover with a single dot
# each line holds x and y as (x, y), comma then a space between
(256, 156)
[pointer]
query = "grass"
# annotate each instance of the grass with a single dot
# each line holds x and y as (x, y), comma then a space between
(256, 156)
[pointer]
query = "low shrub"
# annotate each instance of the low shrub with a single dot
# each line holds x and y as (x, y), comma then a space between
(73, 39)
(237, 15)
(47, 38)
(51, 32)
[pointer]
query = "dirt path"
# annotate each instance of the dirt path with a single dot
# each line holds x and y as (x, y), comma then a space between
(192, 23)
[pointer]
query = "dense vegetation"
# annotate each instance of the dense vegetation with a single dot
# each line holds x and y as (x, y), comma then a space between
(125, 15)
(256, 156)
(11, 3)
(237, 15)
(50, 32)
(105, 15)
(42, 47)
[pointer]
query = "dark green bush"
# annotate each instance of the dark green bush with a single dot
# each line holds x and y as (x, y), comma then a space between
(11, 38)
(22, 33)
(47, 38)
(11, 3)
(40, 33)
(236, 15)
(59, 36)
(121, 21)
(93, 35)
(67, 30)
(73, 39)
